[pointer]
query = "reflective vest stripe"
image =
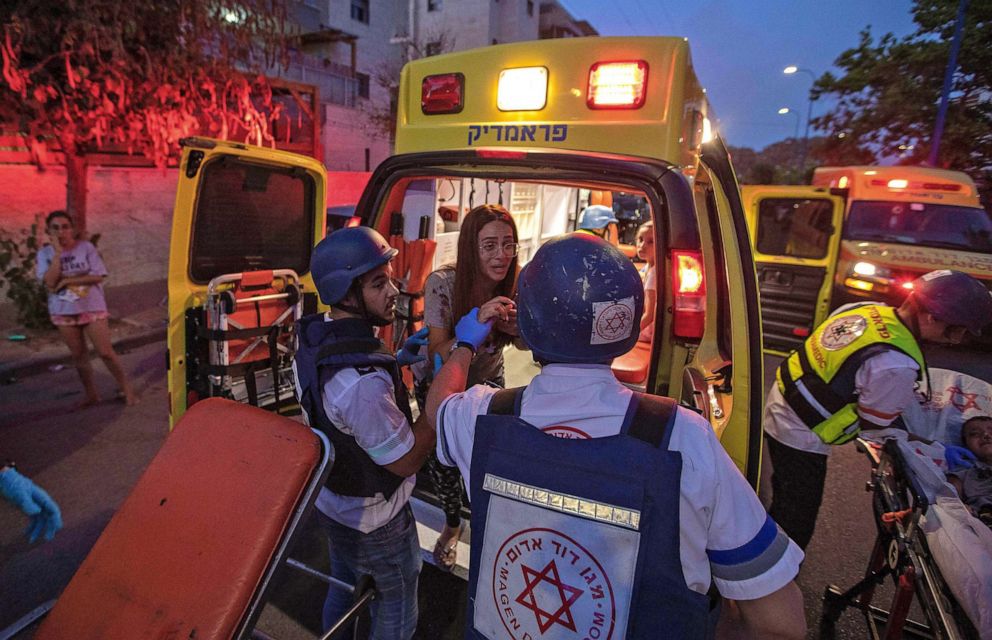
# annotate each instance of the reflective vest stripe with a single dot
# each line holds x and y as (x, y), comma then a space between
(822, 393)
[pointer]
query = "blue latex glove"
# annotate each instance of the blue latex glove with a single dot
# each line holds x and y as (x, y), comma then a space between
(437, 363)
(958, 457)
(45, 516)
(470, 330)
(409, 352)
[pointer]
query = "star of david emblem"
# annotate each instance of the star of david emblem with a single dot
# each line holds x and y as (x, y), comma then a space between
(962, 400)
(560, 595)
(617, 320)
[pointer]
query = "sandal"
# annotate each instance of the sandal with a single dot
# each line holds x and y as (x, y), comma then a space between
(446, 551)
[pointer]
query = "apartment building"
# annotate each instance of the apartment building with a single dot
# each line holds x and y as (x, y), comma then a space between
(353, 50)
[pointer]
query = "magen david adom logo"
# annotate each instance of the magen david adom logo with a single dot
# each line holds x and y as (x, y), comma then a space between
(546, 585)
(842, 332)
(612, 321)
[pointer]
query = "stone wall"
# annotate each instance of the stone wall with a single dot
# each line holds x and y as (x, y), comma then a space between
(131, 209)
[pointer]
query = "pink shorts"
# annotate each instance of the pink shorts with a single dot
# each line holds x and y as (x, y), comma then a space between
(79, 319)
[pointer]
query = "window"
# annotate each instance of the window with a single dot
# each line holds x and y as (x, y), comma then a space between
(530, 8)
(433, 48)
(793, 227)
(232, 224)
(360, 10)
(363, 85)
(916, 223)
(433, 5)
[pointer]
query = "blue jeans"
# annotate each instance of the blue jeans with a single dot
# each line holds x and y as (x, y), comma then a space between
(391, 555)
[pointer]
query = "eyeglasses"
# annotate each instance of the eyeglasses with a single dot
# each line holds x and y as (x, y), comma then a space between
(491, 248)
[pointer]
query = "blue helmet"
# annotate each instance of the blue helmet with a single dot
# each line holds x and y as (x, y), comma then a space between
(596, 216)
(955, 298)
(579, 300)
(345, 255)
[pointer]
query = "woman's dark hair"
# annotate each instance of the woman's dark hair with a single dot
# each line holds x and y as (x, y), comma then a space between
(58, 213)
(468, 264)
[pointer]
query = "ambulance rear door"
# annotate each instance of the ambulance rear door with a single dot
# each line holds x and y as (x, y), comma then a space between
(795, 232)
(239, 208)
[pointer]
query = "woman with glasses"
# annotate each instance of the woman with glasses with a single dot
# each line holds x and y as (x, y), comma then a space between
(73, 273)
(484, 276)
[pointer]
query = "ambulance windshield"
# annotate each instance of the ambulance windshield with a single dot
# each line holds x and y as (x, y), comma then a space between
(930, 225)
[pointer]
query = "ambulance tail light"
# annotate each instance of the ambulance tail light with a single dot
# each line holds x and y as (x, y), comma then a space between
(689, 287)
(442, 94)
(617, 85)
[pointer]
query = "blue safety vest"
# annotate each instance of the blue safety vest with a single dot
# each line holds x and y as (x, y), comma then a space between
(327, 347)
(578, 538)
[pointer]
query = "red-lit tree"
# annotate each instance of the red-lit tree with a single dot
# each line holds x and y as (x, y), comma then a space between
(137, 75)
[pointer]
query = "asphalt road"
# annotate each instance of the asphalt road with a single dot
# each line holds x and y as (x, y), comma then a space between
(89, 460)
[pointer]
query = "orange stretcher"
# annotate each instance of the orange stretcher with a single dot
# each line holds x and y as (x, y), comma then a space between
(192, 551)
(249, 329)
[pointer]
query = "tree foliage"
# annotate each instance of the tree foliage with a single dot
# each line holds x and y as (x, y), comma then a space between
(889, 91)
(140, 74)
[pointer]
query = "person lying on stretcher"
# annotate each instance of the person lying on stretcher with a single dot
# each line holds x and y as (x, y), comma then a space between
(974, 483)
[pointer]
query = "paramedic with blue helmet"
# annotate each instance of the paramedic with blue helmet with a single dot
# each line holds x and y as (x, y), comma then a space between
(597, 510)
(859, 370)
(349, 387)
(595, 219)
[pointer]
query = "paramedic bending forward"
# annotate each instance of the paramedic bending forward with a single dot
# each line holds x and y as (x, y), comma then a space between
(859, 370)
(596, 511)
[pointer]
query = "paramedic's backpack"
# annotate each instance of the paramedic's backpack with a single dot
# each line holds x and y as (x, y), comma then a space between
(578, 538)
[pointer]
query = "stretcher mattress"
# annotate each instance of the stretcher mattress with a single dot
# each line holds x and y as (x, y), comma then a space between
(185, 554)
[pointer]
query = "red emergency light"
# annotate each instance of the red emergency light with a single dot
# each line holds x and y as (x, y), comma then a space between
(689, 287)
(442, 93)
(617, 85)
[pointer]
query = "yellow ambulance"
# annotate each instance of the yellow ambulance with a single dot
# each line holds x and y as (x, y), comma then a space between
(540, 127)
(859, 233)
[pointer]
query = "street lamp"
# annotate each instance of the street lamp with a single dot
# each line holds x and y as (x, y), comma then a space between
(783, 111)
(793, 69)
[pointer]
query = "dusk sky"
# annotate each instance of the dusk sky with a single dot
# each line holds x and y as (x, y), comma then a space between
(740, 47)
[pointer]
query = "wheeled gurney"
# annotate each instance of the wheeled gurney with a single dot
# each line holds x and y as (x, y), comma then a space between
(192, 551)
(927, 542)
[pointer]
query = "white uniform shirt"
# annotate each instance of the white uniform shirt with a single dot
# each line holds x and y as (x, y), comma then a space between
(885, 384)
(363, 405)
(718, 510)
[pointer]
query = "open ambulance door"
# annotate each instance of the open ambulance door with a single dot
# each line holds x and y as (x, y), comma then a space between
(795, 232)
(722, 371)
(245, 221)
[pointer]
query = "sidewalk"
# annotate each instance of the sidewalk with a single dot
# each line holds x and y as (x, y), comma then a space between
(138, 315)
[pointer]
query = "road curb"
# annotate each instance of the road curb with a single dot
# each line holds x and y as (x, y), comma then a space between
(12, 371)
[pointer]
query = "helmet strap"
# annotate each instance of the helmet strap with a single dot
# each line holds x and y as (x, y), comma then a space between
(360, 309)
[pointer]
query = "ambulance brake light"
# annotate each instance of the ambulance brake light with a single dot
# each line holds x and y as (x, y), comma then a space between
(689, 287)
(442, 93)
(617, 85)
(522, 89)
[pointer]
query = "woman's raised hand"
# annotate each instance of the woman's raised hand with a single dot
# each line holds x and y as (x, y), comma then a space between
(499, 309)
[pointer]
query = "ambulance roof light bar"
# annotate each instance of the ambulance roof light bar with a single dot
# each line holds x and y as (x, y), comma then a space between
(443, 93)
(617, 85)
(522, 89)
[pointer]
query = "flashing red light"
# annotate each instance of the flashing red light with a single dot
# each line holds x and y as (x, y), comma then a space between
(442, 93)
(689, 286)
(802, 332)
(618, 85)
(353, 221)
(500, 153)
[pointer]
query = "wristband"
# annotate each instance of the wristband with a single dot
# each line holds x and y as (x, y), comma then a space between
(463, 343)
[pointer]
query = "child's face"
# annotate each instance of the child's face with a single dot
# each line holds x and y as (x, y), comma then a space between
(645, 243)
(977, 437)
